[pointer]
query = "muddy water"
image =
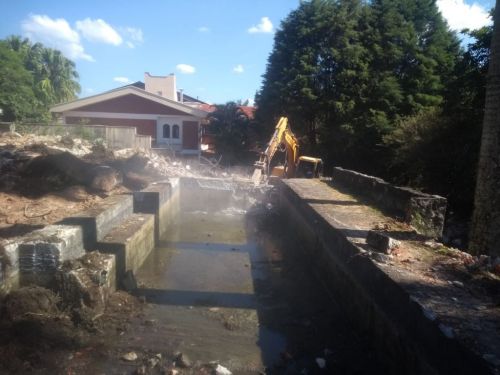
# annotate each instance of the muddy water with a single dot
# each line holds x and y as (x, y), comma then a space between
(226, 286)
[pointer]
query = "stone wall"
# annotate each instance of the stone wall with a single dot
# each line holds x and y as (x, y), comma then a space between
(425, 212)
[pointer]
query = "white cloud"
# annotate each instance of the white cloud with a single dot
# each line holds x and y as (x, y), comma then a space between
(133, 35)
(203, 29)
(460, 15)
(238, 69)
(121, 79)
(98, 31)
(55, 33)
(186, 69)
(265, 26)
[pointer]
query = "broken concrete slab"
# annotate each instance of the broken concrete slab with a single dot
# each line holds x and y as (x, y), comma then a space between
(382, 242)
(86, 283)
(131, 242)
(424, 212)
(97, 221)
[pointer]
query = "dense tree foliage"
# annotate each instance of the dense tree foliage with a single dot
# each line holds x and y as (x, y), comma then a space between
(230, 128)
(16, 86)
(34, 78)
(485, 232)
(382, 87)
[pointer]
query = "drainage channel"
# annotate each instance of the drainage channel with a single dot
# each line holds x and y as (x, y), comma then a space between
(226, 286)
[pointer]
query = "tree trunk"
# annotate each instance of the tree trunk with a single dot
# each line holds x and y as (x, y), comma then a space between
(485, 230)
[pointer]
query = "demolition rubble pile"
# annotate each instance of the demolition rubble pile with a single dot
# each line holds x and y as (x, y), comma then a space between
(45, 178)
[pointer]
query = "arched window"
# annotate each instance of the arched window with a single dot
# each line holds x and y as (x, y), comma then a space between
(166, 131)
(175, 131)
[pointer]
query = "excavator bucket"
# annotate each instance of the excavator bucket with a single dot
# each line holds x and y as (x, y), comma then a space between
(257, 176)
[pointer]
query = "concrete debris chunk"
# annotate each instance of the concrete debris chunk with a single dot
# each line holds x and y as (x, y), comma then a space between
(87, 282)
(321, 362)
(130, 356)
(221, 370)
(382, 242)
(182, 360)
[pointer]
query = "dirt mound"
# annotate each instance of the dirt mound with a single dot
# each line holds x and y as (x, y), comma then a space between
(30, 303)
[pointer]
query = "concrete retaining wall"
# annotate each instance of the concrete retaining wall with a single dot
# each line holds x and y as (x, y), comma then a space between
(409, 340)
(111, 226)
(162, 200)
(425, 212)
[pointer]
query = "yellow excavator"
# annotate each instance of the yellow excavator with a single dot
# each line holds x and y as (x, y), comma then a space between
(295, 166)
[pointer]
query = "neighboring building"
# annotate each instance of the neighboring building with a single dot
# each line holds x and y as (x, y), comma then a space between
(154, 108)
(248, 111)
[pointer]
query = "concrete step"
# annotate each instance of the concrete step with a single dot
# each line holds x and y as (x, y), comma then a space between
(131, 242)
(97, 221)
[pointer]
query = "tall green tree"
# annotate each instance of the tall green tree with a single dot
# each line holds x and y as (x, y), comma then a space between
(230, 127)
(346, 72)
(485, 233)
(315, 69)
(17, 99)
(436, 150)
(54, 77)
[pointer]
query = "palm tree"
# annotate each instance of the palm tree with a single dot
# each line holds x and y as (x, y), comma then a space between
(485, 230)
(55, 77)
(61, 74)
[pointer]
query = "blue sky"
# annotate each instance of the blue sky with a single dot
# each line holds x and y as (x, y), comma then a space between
(218, 49)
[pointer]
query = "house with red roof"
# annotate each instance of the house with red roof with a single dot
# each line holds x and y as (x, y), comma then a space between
(154, 107)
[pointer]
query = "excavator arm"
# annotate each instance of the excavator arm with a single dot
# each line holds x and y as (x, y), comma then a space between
(282, 137)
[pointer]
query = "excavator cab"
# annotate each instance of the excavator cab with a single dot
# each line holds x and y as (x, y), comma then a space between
(309, 167)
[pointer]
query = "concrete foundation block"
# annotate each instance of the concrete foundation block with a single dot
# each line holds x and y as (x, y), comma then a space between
(97, 221)
(35, 257)
(131, 242)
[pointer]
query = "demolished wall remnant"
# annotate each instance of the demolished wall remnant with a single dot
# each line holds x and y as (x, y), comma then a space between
(425, 212)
